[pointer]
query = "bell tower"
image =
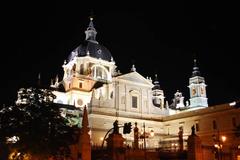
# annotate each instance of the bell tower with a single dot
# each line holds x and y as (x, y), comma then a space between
(158, 96)
(197, 86)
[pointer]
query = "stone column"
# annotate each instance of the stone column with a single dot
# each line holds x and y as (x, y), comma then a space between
(194, 147)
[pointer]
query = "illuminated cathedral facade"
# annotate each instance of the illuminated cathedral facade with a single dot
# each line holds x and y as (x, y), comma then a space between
(91, 79)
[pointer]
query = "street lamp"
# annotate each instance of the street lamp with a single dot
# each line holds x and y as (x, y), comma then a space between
(175, 145)
(223, 138)
(145, 135)
(218, 145)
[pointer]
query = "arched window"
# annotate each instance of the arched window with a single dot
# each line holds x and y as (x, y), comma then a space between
(99, 72)
(81, 69)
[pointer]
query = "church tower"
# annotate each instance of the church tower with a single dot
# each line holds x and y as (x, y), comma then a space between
(197, 86)
(158, 96)
(89, 66)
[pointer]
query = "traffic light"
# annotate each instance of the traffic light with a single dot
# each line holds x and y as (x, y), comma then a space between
(127, 128)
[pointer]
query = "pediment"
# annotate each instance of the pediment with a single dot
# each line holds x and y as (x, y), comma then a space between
(135, 77)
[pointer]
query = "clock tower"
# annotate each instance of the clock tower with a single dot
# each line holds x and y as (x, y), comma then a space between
(197, 86)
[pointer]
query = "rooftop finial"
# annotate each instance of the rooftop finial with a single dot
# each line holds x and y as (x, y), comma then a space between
(195, 62)
(91, 15)
(196, 71)
(133, 69)
(156, 82)
(91, 31)
(39, 80)
(156, 77)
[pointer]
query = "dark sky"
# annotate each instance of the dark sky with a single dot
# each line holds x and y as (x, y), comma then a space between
(158, 38)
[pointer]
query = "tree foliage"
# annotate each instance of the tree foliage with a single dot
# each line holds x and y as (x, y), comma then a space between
(36, 124)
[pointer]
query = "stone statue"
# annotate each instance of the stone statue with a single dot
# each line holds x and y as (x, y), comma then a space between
(193, 130)
(115, 127)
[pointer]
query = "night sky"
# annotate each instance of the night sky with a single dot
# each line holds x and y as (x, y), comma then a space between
(158, 38)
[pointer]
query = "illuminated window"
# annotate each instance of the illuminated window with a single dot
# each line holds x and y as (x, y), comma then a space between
(99, 72)
(234, 122)
(214, 124)
(134, 101)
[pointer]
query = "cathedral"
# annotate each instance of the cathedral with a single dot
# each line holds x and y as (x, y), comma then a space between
(91, 79)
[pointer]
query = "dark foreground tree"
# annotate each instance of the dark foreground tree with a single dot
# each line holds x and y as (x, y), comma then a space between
(34, 125)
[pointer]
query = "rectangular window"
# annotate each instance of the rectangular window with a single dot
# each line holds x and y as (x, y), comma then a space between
(234, 122)
(81, 69)
(134, 102)
(80, 85)
(197, 127)
(214, 125)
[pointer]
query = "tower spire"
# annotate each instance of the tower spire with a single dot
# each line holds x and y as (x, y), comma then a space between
(196, 71)
(85, 120)
(197, 86)
(85, 145)
(39, 80)
(91, 31)
(156, 82)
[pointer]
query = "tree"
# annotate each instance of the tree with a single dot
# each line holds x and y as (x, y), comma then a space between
(34, 125)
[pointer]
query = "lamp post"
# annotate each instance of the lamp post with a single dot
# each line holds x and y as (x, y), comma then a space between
(145, 135)
(218, 145)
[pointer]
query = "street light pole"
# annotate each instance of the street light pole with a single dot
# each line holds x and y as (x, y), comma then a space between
(144, 141)
(219, 145)
(144, 136)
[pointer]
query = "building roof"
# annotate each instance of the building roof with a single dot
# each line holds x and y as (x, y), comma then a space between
(90, 47)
